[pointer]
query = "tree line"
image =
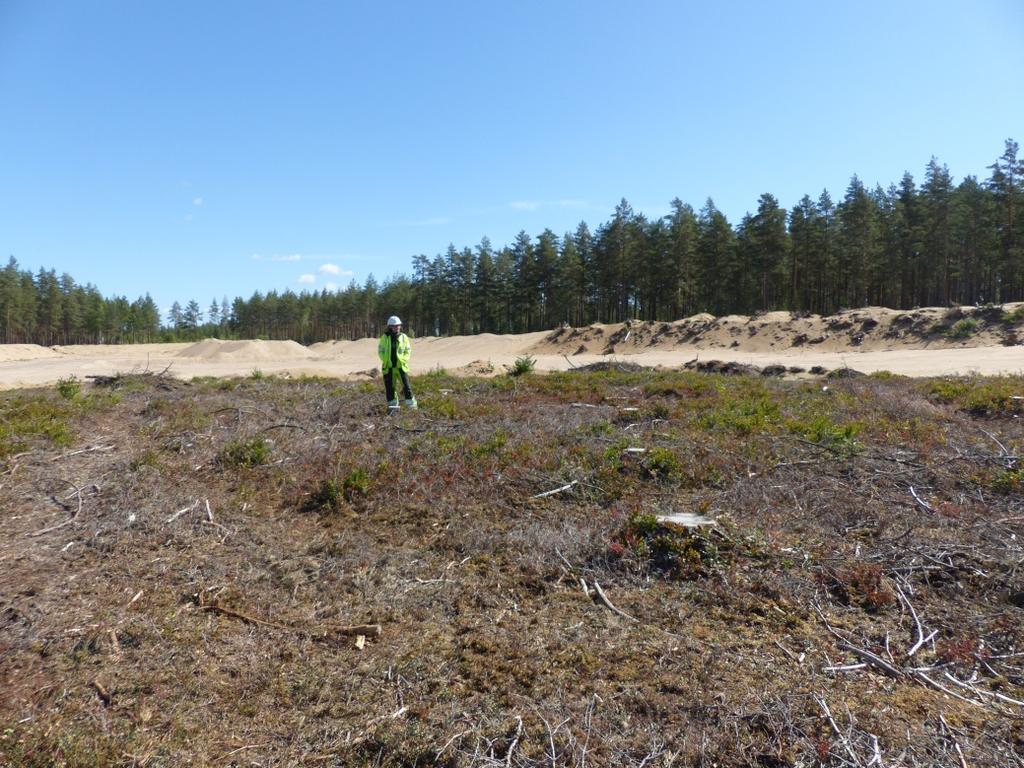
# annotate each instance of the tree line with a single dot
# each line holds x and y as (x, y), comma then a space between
(907, 245)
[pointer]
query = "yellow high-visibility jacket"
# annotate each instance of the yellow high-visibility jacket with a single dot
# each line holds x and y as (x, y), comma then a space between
(404, 352)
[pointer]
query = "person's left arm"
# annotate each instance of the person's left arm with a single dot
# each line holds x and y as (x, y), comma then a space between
(404, 351)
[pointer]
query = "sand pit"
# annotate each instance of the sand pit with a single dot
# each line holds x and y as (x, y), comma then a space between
(920, 342)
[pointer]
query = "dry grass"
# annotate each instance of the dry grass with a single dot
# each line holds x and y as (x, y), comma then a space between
(180, 563)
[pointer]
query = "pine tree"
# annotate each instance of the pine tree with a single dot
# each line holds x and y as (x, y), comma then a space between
(571, 291)
(545, 263)
(213, 313)
(526, 291)
(801, 264)
(770, 243)
(936, 196)
(192, 316)
(1005, 184)
(976, 240)
(176, 317)
(680, 269)
(856, 241)
(485, 293)
(716, 260)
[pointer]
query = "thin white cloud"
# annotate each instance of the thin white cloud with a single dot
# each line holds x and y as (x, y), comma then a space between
(197, 201)
(571, 203)
(525, 205)
(334, 269)
(331, 286)
(188, 217)
(306, 279)
(277, 257)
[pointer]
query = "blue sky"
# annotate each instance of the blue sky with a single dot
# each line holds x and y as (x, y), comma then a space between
(200, 149)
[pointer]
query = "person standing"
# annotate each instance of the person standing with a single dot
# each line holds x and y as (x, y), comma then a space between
(395, 349)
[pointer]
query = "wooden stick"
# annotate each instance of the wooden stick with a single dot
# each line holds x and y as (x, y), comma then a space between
(608, 603)
(872, 659)
(102, 692)
(920, 630)
(90, 449)
(788, 652)
(70, 520)
(981, 692)
(370, 630)
(556, 490)
(956, 744)
(182, 511)
(512, 746)
(835, 729)
(924, 504)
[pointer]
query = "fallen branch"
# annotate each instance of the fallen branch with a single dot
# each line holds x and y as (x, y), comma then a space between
(921, 639)
(182, 511)
(322, 633)
(789, 653)
(921, 676)
(981, 692)
(283, 425)
(370, 724)
(835, 729)
(90, 449)
(924, 504)
(102, 692)
(70, 520)
(556, 490)
(956, 744)
(608, 603)
(873, 659)
(515, 742)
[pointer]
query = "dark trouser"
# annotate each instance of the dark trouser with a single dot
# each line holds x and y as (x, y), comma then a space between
(389, 384)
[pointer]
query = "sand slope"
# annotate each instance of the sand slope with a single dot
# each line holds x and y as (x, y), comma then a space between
(920, 342)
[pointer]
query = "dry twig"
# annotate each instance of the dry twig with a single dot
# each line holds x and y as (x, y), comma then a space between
(70, 520)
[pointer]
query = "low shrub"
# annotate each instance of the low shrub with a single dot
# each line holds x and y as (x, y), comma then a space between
(245, 453)
(670, 550)
(859, 584)
(963, 328)
(69, 388)
(522, 365)
(1014, 317)
(328, 496)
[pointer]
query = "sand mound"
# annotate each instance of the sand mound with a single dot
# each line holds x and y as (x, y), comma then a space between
(700, 317)
(11, 352)
(332, 347)
(260, 351)
(476, 368)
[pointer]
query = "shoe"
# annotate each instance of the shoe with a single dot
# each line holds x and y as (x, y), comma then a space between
(392, 406)
(411, 403)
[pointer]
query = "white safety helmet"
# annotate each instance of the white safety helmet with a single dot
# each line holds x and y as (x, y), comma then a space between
(394, 320)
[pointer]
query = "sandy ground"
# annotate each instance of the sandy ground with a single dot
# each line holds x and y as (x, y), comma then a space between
(913, 343)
